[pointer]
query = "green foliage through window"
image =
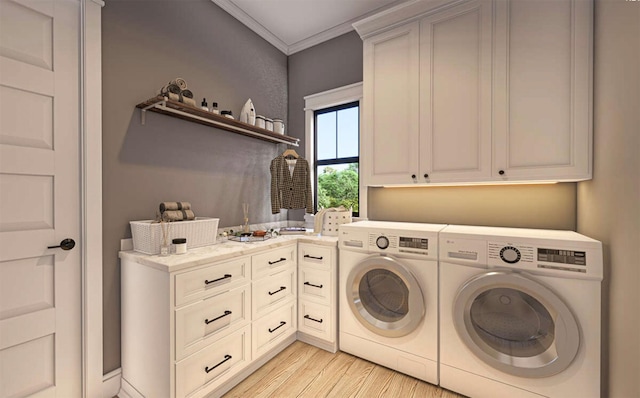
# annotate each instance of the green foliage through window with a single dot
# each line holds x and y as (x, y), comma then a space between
(338, 187)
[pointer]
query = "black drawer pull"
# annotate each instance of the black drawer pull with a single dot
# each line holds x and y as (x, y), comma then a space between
(226, 276)
(279, 290)
(312, 285)
(209, 369)
(277, 261)
(227, 312)
(311, 319)
(282, 323)
(313, 257)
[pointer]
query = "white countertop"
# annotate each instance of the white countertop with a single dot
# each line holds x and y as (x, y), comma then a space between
(221, 251)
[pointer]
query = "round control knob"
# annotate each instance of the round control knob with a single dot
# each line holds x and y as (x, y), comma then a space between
(382, 242)
(510, 254)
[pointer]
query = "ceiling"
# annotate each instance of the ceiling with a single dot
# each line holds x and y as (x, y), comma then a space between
(293, 25)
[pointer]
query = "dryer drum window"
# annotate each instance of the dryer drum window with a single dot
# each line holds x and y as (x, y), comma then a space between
(384, 295)
(512, 322)
(515, 324)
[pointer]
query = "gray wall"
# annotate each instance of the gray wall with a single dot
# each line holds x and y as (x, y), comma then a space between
(609, 205)
(146, 44)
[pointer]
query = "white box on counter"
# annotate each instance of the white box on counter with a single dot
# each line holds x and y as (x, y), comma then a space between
(147, 234)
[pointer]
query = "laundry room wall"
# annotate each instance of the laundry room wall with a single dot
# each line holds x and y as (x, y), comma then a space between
(146, 44)
(609, 205)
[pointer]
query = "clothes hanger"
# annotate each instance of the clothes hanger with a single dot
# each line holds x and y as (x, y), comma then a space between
(290, 153)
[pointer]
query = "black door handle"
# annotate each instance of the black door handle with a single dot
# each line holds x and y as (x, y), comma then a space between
(65, 244)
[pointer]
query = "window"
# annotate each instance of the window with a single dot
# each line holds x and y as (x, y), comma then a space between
(337, 131)
(334, 114)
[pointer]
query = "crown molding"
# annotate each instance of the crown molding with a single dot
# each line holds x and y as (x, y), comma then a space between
(252, 24)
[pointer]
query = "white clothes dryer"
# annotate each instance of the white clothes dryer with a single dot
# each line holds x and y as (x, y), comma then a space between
(388, 295)
(519, 312)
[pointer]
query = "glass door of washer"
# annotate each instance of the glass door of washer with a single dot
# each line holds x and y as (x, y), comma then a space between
(385, 297)
(516, 324)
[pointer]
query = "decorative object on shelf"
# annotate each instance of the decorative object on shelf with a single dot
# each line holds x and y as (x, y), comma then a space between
(172, 91)
(180, 82)
(186, 97)
(248, 113)
(166, 106)
(228, 114)
(260, 121)
(268, 124)
(204, 105)
(278, 126)
(214, 108)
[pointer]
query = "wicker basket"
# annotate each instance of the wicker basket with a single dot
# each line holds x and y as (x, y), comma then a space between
(332, 221)
(147, 234)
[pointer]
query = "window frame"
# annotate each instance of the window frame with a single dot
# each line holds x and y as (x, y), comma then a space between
(336, 160)
(327, 99)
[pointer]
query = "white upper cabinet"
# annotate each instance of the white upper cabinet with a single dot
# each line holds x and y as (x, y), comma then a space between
(477, 91)
(455, 94)
(542, 90)
(390, 143)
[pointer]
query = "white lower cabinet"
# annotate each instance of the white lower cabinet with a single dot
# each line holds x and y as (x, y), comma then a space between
(202, 372)
(317, 293)
(195, 327)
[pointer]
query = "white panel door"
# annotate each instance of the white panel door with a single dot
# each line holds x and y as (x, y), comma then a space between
(40, 288)
(455, 94)
(390, 113)
(542, 90)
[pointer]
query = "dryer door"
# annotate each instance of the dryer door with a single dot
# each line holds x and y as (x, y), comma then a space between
(516, 324)
(385, 297)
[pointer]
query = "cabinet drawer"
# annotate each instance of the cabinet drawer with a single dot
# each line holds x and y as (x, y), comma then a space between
(315, 319)
(273, 328)
(315, 256)
(314, 284)
(218, 277)
(269, 292)
(273, 261)
(201, 323)
(213, 365)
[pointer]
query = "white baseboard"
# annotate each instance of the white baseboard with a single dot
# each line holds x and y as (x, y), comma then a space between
(111, 384)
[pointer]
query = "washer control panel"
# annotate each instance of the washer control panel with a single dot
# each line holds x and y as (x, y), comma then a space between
(503, 253)
(392, 243)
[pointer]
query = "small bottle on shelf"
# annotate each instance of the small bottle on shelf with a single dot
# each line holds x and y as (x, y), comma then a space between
(214, 108)
(203, 105)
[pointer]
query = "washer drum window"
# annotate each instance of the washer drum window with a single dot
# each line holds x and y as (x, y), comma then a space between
(516, 325)
(385, 297)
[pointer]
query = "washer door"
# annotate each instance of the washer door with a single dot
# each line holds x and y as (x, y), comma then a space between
(516, 325)
(385, 297)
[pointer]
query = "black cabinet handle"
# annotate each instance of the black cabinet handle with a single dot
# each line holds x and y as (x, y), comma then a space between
(207, 321)
(312, 257)
(226, 358)
(501, 172)
(282, 323)
(65, 244)
(226, 276)
(312, 285)
(279, 290)
(413, 176)
(311, 319)
(426, 175)
(277, 261)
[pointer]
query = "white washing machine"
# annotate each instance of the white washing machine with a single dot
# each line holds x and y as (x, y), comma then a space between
(388, 288)
(519, 312)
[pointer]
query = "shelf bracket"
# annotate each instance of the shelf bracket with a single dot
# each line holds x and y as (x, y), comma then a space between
(143, 114)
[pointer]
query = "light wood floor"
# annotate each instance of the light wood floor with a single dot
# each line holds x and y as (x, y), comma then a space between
(302, 370)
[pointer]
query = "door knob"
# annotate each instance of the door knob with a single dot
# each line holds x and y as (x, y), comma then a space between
(65, 244)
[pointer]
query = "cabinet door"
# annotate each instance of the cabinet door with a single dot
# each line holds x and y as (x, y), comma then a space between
(389, 140)
(542, 90)
(455, 94)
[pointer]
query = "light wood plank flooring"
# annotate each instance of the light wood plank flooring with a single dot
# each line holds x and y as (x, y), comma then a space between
(302, 370)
